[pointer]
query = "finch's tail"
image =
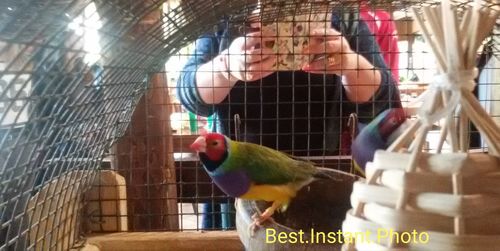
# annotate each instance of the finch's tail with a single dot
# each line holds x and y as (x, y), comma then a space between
(326, 173)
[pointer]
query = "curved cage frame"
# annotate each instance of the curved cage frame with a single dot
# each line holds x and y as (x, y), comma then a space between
(69, 114)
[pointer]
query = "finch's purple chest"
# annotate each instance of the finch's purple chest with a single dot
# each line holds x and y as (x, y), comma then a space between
(234, 183)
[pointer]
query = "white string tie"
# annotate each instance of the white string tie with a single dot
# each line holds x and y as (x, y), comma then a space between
(453, 81)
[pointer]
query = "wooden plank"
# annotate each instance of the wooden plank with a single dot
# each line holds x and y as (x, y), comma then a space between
(87, 247)
(181, 143)
(53, 212)
(107, 203)
(144, 156)
(160, 241)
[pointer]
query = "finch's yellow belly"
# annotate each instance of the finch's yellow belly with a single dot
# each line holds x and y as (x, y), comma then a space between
(270, 193)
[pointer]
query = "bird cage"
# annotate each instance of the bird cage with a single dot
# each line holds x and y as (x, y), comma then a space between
(87, 148)
(416, 200)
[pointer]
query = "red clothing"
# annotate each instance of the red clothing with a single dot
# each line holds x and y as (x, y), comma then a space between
(383, 27)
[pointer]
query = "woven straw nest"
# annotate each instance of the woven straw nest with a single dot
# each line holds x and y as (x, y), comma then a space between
(413, 200)
(453, 202)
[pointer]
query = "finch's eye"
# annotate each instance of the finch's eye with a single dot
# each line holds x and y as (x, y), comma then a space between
(214, 143)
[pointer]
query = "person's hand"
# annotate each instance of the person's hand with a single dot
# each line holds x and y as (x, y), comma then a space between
(333, 55)
(248, 58)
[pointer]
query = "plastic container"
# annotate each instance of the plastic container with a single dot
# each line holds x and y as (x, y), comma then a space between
(320, 206)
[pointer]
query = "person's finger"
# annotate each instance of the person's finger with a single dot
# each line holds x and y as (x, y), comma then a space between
(265, 65)
(329, 33)
(264, 33)
(318, 65)
(251, 43)
(269, 62)
(252, 55)
(320, 36)
(261, 51)
(331, 63)
(261, 69)
(253, 58)
(328, 47)
(324, 72)
(257, 55)
(318, 68)
(256, 40)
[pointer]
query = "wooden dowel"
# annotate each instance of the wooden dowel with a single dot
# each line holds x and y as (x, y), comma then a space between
(442, 137)
(464, 131)
(464, 28)
(433, 14)
(466, 18)
(452, 133)
(452, 46)
(485, 130)
(457, 182)
(483, 122)
(444, 128)
(407, 135)
(415, 154)
(426, 33)
(403, 197)
(488, 20)
(480, 31)
(411, 148)
(424, 129)
(358, 208)
(450, 125)
(484, 116)
(412, 166)
(473, 29)
(492, 145)
(435, 17)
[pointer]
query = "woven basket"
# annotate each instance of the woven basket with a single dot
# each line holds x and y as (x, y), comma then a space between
(453, 202)
(412, 200)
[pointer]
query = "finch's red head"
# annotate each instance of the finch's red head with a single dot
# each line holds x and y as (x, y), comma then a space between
(393, 119)
(211, 144)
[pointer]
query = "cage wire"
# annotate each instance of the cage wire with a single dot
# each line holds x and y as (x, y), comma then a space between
(87, 101)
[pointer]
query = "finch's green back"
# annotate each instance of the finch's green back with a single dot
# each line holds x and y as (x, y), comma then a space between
(267, 166)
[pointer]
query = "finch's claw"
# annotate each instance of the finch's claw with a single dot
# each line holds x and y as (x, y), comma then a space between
(258, 221)
(252, 229)
(254, 225)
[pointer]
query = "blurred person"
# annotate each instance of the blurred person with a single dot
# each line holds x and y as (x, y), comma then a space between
(383, 28)
(302, 112)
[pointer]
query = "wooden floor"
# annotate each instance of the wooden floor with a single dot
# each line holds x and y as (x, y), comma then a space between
(188, 239)
(165, 241)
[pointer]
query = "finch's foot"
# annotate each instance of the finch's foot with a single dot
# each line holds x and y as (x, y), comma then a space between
(258, 221)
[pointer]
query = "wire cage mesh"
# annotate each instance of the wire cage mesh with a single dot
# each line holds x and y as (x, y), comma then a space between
(93, 137)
